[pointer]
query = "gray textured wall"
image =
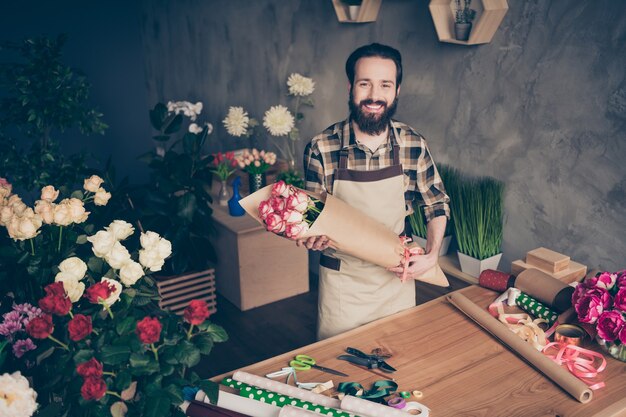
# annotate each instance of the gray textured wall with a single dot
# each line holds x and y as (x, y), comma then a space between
(542, 107)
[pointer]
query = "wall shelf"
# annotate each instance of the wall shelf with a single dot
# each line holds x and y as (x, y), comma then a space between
(489, 15)
(367, 13)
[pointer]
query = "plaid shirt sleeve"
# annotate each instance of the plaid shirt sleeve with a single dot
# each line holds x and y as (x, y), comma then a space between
(431, 193)
(313, 169)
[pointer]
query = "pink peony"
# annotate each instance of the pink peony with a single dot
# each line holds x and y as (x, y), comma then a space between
(621, 279)
(610, 323)
(265, 209)
(622, 335)
(281, 189)
(620, 299)
(294, 231)
(291, 216)
(299, 201)
(275, 223)
(589, 308)
(605, 280)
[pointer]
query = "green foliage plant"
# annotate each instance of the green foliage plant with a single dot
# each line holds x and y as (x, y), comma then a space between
(417, 220)
(463, 13)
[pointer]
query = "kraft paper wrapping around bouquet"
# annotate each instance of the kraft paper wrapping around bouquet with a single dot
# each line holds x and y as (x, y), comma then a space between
(568, 382)
(367, 408)
(281, 388)
(351, 231)
(234, 402)
(545, 288)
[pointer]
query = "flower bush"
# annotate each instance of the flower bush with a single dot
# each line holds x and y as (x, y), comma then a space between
(601, 303)
(92, 337)
(255, 161)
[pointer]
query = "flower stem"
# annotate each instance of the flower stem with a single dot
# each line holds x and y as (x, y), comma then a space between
(115, 394)
(109, 373)
(71, 314)
(32, 247)
(60, 236)
(63, 345)
(189, 331)
(154, 350)
(106, 307)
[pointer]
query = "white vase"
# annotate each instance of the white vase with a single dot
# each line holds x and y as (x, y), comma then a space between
(474, 267)
(445, 243)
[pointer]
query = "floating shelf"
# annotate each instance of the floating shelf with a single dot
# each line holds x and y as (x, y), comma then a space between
(367, 12)
(489, 15)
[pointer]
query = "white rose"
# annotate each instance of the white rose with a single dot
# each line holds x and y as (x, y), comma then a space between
(102, 197)
(49, 194)
(77, 208)
(102, 243)
(25, 226)
(71, 285)
(115, 295)
(130, 273)
(119, 409)
(150, 259)
(17, 398)
(92, 183)
(74, 266)
(149, 239)
(120, 229)
(163, 248)
(16, 203)
(118, 256)
(62, 214)
(6, 214)
(46, 210)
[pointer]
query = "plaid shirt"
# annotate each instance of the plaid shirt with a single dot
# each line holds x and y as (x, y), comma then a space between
(422, 183)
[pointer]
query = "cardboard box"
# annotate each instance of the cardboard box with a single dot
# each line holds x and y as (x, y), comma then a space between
(547, 260)
(574, 272)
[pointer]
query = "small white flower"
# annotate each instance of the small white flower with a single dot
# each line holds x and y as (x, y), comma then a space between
(209, 128)
(115, 295)
(92, 183)
(236, 121)
(102, 197)
(73, 288)
(120, 229)
(74, 266)
(102, 243)
(300, 86)
(130, 273)
(278, 120)
(194, 128)
(17, 398)
(118, 257)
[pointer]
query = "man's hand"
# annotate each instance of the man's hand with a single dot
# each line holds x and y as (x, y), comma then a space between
(417, 266)
(314, 242)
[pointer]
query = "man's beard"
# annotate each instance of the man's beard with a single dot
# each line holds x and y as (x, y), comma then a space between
(372, 124)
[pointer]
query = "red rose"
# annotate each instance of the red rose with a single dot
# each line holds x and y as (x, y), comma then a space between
(93, 388)
(90, 369)
(98, 292)
(40, 327)
(56, 300)
(79, 327)
(56, 288)
(196, 312)
(149, 330)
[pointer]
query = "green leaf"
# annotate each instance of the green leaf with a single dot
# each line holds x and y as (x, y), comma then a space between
(81, 239)
(204, 343)
(51, 410)
(187, 354)
(114, 355)
(167, 369)
(95, 264)
(190, 143)
(218, 334)
(158, 115)
(125, 326)
(210, 388)
(83, 355)
(174, 125)
(187, 207)
(175, 394)
(138, 359)
(160, 138)
(122, 380)
(77, 194)
(158, 405)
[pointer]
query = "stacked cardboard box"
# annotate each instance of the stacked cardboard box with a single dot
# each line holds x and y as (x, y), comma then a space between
(553, 263)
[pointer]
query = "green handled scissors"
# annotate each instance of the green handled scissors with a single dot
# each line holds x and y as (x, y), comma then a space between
(305, 362)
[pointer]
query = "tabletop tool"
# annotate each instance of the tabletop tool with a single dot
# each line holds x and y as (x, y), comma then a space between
(369, 361)
(305, 362)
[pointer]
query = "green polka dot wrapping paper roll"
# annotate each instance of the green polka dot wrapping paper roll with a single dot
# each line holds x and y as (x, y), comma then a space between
(536, 308)
(280, 400)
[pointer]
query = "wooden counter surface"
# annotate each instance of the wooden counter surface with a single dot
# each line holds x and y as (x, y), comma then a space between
(460, 368)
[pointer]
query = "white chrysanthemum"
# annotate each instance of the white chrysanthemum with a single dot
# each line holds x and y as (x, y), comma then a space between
(278, 120)
(236, 121)
(17, 398)
(300, 86)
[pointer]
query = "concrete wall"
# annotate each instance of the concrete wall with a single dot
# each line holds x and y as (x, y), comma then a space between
(542, 107)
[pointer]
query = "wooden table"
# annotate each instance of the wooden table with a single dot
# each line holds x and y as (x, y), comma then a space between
(461, 369)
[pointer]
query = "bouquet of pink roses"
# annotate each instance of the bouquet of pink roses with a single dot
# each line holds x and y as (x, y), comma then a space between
(289, 212)
(600, 303)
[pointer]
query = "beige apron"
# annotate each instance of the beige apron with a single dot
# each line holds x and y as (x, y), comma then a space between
(353, 292)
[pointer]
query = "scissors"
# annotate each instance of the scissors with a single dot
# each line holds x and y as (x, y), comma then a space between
(305, 362)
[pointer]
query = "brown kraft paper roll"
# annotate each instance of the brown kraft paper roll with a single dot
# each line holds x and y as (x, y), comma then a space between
(351, 231)
(545, 288)
(568, 382)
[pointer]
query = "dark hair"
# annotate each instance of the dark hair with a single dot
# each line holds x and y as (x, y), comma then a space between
(375, 50)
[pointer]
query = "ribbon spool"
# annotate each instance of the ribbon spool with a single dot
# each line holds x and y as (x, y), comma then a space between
(569, 334)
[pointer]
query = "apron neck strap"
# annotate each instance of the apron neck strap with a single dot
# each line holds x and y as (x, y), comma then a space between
(343, 153)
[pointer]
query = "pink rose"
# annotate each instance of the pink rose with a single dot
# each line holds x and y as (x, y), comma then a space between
(291, 216)
(589, 308)
(299, 201)
(265, 209)
(281, 189)
(620, 299)
(294, 231)
(610, 323)
(275, 223)
(277, 203)
(605, 280)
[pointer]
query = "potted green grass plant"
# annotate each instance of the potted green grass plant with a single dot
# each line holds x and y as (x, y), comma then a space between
(417, 221)
(477, 209)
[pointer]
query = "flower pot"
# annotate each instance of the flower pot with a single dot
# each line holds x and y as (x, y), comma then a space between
(613, 349)
(445, 243)
(256, 182)
(223, 195)
(462, 31)
(474, 267)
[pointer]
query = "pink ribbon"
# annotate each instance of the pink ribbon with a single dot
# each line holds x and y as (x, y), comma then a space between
(408, 251)
(579, 361)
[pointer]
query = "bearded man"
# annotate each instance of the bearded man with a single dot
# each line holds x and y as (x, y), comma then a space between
(382, 167)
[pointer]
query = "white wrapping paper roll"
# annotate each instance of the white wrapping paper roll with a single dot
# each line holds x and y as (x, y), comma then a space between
(291, 411)
(242, 405)
(367, 408)
(284, 389)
